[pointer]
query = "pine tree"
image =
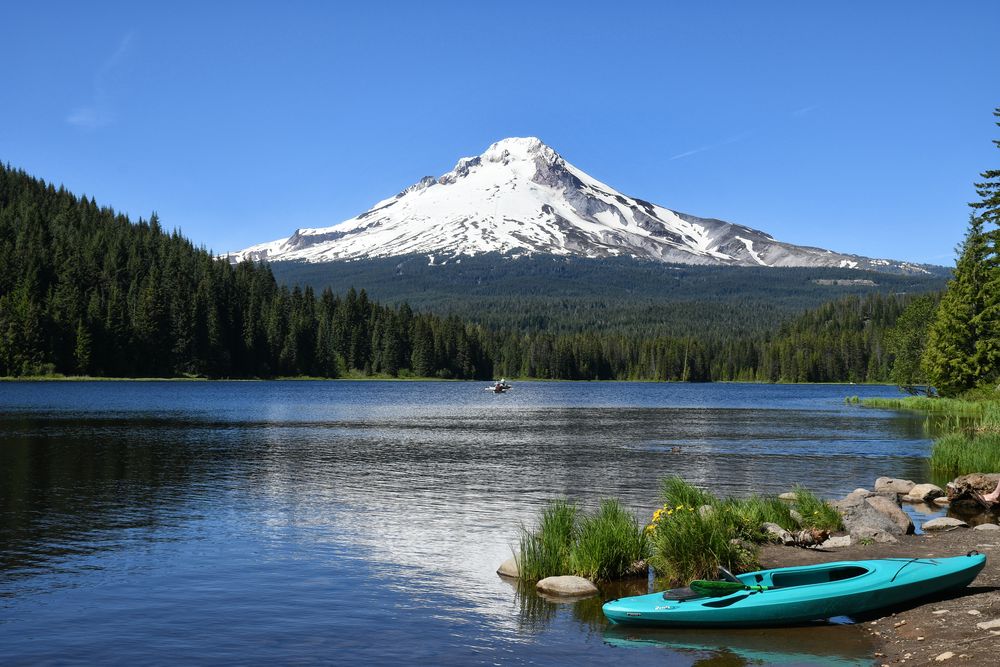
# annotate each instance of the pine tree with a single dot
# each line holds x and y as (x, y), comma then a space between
(986, 323)
(950, 359)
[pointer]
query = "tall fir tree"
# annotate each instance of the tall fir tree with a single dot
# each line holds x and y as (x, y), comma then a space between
(987, 321)
(950, 358)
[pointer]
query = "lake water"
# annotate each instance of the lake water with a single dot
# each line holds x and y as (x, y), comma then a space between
(362, 522)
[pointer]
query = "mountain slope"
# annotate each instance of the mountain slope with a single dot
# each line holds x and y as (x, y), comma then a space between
(521, 197)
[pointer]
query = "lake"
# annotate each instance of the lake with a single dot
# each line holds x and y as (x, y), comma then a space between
(363, 522)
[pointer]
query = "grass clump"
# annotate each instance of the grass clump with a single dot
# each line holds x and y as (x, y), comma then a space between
(815, 512)
(686, 544)
(546, 551)
(950, 406)
(600, 546)
(962, 453)
(609, 544)
(693, 533)
(678, 492)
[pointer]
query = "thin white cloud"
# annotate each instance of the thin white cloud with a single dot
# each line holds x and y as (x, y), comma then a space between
(100, 112)
(804, 110)
(725, 142)
(801, 111)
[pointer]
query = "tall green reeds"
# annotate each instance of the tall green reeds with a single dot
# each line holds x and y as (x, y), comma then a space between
(609, 545)
(545, 552)
(962, 453)
(950, 406)
(600, 546)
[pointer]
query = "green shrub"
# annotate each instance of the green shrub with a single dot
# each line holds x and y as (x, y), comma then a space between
(546, 551)
(686, 545)
(815, 512)
(610, 542)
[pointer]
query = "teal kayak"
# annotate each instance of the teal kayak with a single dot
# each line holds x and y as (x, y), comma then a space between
(789, 595)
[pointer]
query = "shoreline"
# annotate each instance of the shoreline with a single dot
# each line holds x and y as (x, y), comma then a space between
(308, 378)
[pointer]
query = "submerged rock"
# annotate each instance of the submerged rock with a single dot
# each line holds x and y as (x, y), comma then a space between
(566, 586)
(943, 523)
(986, 526)
(509, 568)
(898, 486)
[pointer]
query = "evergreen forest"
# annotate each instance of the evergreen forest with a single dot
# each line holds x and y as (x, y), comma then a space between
(86, 291)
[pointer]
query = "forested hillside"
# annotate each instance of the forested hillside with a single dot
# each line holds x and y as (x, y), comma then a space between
(621, 295)
(85, 291)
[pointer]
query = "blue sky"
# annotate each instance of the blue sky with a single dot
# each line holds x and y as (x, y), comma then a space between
(855, 126)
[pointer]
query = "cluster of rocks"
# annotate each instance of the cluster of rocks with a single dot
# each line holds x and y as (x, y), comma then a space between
(877, 515)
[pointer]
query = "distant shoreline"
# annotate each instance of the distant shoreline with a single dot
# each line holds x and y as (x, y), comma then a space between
(307, 378)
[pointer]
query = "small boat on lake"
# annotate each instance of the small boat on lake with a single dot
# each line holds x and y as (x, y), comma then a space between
(499, 387)
(789, 595)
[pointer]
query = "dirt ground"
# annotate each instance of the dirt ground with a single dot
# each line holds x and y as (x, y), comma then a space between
(927, 632)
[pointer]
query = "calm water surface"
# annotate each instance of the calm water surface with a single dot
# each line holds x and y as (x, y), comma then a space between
(362, 522)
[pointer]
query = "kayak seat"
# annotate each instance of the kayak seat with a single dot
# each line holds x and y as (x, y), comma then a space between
(680, 594)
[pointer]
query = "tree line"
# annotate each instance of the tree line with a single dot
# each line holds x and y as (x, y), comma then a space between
(85, 291)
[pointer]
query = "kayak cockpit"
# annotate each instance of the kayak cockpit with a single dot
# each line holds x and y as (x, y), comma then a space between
(792, 577)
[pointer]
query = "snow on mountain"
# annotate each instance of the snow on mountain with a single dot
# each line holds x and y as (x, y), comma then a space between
(520, 197)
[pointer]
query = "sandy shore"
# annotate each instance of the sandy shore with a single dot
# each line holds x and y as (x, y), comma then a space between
(925, 633)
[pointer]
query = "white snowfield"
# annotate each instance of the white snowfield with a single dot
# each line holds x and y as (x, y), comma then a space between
(521, 197)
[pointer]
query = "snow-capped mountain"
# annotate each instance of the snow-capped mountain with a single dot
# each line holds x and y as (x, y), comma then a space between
(519, 197)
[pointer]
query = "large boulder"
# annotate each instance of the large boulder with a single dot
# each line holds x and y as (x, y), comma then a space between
(863, 522)
(566, 586)
(923, 493)
(892, 510)
(890, 484)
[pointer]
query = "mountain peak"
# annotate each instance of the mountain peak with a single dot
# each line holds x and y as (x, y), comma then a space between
(517, 148)
(520, 197)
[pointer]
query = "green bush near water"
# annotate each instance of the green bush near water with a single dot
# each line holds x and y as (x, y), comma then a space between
(600, 546)
(690, 541)
(687, 544)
